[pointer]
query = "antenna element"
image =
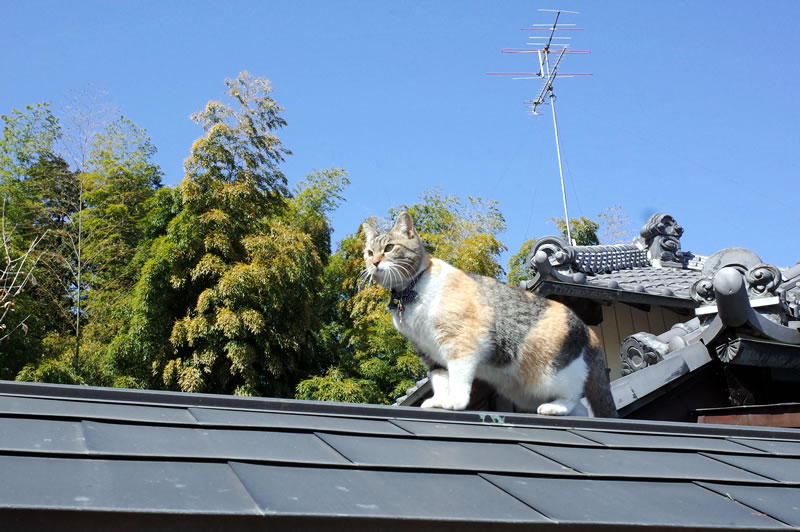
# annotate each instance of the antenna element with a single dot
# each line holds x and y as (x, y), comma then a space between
(544, 47)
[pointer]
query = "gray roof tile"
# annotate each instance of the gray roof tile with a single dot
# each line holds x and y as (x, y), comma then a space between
(652, 280)
(389, 494)
(436, 454)
(780, 469)
(258, 463)
(490, 432)
(778, 501)
(644, 464)
(32, 434)
(662, 441)
(94, 410)
(629, 502)
(133, 440)
(272, 420)
(778, 447)
(155, 486)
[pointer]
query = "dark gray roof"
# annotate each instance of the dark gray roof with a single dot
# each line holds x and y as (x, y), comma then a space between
(80, 457)
(652, 269)
(648, 279)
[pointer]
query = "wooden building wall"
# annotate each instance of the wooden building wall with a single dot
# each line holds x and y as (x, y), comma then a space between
(621, 320)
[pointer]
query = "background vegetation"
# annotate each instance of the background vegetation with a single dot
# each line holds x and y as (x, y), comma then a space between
(226, 283)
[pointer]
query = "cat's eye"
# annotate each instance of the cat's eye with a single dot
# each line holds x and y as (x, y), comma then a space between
(369, 252)
(388, 248)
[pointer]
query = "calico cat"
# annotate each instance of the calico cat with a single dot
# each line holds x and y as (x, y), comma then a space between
(534, 351)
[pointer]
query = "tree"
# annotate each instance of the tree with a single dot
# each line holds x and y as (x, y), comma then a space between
(121, 180)
(28, 166)
(518, 268)
(615, 226)
(14, 277)
(27, 136)
(86, 115)
(584, 230)
(463, 233)
(91, 219)
(373, 363)
(225, 301)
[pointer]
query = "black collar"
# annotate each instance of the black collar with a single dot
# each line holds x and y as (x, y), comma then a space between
(398, 300)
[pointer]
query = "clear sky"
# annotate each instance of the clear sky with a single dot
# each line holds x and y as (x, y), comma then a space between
(692, 108)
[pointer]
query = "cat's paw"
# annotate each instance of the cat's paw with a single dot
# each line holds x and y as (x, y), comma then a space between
(433, 402)
(445, 402)
(552, 409)
(456, 404)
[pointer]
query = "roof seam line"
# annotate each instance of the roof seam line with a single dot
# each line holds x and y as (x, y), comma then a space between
(318, 435)
(232, 469)
(711, 457)
(522, 444)
(483, 476)
(737, 501)
(392, 421)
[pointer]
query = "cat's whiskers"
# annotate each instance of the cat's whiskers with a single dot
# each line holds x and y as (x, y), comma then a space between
(406, 267)
(404, 273)
(364, 279)
(393, 274)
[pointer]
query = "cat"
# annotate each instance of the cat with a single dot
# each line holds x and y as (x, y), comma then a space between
(534, 351)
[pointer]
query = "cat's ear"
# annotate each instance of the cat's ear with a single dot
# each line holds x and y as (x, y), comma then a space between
(369, 232)
(405, 225)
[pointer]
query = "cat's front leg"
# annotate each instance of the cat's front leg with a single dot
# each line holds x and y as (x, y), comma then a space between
(441, 389)
(452, 387)
(461, 372)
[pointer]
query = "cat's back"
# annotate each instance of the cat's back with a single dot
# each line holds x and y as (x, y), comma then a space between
(475, 297)
(515, 321)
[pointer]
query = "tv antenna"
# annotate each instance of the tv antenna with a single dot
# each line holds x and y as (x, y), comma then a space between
(544, 46)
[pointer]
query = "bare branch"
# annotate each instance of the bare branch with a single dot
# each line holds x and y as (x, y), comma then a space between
(17, 273)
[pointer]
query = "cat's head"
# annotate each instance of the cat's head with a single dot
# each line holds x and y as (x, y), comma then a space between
(395, 257)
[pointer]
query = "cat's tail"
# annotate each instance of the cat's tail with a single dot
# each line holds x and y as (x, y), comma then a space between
(597, 389)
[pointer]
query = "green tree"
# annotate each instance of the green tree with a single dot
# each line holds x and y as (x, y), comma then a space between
(121, 181)
(518, 268)
(227, 297)
(463, 233)
(373, 362)
(15, 275)
(92, 221)
(29, 171)
(584, 230)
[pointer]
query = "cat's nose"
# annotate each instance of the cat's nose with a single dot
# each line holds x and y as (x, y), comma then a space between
(375, 262)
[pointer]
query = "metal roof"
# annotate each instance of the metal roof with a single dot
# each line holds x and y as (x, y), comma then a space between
(81, 457)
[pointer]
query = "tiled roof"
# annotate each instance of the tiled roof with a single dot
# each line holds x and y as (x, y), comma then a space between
(648, 279)
(80, 458)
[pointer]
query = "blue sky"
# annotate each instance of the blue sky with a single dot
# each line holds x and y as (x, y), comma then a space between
(691, 109)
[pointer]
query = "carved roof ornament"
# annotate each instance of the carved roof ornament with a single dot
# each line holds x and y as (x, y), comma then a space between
(789, 292)
(573, 263)
(761, 280)
(653, 265)
(642, 349)
(660, 236)
(734, 310)
(658, 245)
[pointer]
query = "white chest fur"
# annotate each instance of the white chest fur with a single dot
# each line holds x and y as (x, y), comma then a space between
(417, 318)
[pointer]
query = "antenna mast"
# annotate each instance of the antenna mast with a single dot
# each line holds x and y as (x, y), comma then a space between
(545, 46)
